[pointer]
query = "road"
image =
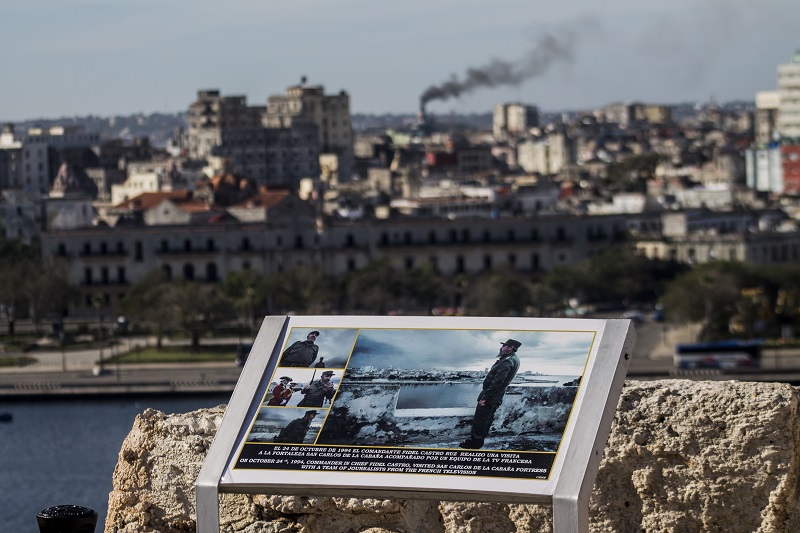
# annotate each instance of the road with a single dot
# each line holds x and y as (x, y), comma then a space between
(77, 373)
(72, 373)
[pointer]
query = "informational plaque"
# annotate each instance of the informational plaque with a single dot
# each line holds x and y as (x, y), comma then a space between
(459, 408)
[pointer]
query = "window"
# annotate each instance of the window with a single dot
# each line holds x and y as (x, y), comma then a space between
(211, 272)
(138, 253)
(121, 275)
(188, 272)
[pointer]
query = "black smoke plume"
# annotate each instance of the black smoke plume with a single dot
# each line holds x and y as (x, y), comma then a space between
(549, 49)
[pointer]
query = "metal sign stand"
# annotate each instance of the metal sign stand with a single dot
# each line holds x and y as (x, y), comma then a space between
(581, 455)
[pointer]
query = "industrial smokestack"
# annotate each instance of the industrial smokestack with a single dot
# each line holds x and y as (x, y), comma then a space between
(549, 49)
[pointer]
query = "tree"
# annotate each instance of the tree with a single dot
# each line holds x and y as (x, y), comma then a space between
(145, 302)
(422, 286)
(373, 289)
(499, 294)
(619, 275)
(17, 262)
(300, 290)
(242, 288)
(707, 294)
(48, 292)
(197, 308)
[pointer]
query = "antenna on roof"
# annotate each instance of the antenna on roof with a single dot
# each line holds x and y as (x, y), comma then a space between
(303, 80)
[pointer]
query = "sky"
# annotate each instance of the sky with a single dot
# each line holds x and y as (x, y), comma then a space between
(545, 352)
(100, 57)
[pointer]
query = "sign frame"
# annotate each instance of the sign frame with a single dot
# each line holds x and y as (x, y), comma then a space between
(575, 463)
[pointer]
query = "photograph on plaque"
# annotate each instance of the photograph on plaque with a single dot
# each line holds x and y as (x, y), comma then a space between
(477, 402)
(318, 347)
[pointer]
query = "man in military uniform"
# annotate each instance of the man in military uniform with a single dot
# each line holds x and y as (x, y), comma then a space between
(316, 392)
(301, 353)
(281, 393)
(494, 388)
(295, 431)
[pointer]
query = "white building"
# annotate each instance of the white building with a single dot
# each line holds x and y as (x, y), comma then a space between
(513, 120)
(136, 184)
(788, 123)
(547, 156)
(764, 169)
(767, 104)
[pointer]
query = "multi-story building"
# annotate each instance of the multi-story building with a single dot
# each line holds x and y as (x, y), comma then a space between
(211, 115)
(699, 235)
(790, 156)
(10, 157)
(514, 120)
(304, 105)
(272, 156)
(546, 156)
(764, 169)
(789, 93)
(767, 104)
(108, 260)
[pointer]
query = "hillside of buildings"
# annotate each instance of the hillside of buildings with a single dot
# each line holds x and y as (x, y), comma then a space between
(309, 207)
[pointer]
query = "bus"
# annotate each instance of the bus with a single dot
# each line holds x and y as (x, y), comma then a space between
(725, 355)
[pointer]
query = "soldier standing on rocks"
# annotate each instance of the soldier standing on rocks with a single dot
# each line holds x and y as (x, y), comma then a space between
(494, 388)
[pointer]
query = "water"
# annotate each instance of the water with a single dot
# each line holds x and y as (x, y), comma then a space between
(57, 453)
(449, 395)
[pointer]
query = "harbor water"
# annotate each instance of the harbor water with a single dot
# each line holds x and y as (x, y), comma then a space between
(64, 452)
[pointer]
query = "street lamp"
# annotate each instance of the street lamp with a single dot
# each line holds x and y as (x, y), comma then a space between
(97, 303)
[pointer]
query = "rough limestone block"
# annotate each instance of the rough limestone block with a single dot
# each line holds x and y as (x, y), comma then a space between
(682, 456)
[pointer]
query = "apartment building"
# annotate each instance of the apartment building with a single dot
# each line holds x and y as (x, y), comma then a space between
(788, 120)
(106, 261)
(304, 105)
(513, 120)
(211, 114)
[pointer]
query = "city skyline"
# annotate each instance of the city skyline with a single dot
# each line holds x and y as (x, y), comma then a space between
(89, 57)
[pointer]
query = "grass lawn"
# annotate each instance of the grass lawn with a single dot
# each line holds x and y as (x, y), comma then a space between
(177, 354)
(16, 361)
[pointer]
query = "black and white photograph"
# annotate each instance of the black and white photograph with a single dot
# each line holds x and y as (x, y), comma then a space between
(286, 426)
(318, 348)
(468, 389)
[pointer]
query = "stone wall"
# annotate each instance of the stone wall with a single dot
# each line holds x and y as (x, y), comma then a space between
(682, 456)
